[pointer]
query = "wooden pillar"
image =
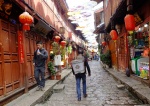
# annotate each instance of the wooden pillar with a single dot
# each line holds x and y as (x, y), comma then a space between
(116, 47)
(25, 64)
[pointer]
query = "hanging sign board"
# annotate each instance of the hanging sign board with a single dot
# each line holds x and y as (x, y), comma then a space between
(138, 19)
(42, 28)
(20, 47)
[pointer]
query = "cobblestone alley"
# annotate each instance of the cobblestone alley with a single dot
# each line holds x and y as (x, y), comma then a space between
(101, 90)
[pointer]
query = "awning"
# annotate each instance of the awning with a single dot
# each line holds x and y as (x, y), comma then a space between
(41, 28)
(100, 29)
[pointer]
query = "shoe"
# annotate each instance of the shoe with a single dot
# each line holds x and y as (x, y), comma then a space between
(38, 88)
(85, 96)
(42, 89)
(79, 99)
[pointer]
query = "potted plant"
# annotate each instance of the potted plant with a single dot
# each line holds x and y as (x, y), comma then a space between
(51, 70)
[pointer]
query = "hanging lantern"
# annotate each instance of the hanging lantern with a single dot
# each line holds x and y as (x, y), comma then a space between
(57, 38)
(104, 43)
(63, 43)
(129, 22)
(113, 34)
(26, 19)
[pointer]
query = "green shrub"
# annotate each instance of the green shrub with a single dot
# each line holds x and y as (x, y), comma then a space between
(51, 68)
(106, 58)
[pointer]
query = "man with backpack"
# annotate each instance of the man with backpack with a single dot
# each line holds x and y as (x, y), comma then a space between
(79, 76)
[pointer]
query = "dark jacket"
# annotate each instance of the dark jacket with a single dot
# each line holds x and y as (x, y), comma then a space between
(40, 60)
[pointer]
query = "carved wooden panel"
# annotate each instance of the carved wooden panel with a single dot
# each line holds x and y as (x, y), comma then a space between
(10, 77)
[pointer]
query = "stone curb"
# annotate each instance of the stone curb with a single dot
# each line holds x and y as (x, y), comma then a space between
(142, 92)
(49, 92)
(43, 97)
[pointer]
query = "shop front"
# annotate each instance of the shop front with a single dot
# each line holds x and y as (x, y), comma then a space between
(138, 42)
(17, 49)
(139, 51)
(11, 71)
(132, 45)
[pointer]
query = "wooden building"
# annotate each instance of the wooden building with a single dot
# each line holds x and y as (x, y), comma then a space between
(115, 12)
(17, 77)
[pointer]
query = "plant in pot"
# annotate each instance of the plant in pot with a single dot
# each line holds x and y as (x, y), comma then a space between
(51, 70)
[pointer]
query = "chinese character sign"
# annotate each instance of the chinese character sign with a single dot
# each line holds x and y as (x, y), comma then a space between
(20, 47)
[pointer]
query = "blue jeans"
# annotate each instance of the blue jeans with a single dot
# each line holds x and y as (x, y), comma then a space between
(39, 71)
(78, 89)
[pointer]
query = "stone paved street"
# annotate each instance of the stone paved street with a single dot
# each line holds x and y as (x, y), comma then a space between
(101, 90)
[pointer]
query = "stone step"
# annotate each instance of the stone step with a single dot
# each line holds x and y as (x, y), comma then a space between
(58, 88)
(121, 86)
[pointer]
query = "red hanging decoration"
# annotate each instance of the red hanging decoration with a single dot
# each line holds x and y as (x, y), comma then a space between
(63, 43)
(26, 19)
(104, 43)
(129, 22)
(113, 34)
(57, 38)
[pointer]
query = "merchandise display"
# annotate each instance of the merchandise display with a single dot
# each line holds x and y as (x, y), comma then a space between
(139, 52)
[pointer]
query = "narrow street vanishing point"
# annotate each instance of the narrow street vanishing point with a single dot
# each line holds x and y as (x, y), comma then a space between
(101, 90)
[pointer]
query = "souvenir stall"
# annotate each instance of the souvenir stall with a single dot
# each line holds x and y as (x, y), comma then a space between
(139, 51)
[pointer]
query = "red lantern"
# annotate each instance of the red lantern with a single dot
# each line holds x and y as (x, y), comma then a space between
(129, 22)
(26, 19)
(57, 38)
(113, 34)
(104, 43)
(63, 43)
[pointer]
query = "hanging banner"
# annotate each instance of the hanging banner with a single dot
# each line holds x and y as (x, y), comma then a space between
(20, 47)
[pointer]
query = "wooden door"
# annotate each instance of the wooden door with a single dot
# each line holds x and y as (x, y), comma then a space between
(30, 40)
(122, 53)
(30, 48)
(10, 72)
(113, 49)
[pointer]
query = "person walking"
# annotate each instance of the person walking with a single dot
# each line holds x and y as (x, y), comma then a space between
(86, 59)
(80, 76)
(39, 60)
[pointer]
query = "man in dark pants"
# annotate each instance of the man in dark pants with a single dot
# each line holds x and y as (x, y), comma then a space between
(80, 76)
(39, 60)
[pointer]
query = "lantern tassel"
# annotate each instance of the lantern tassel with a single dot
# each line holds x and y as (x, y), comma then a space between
(26, 27)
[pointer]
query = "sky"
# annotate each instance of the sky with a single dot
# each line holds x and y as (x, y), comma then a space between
(72, 3)
(85, 8)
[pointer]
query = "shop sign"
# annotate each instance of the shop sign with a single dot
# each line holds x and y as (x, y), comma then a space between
(20, 47)
(42, 28)
(138, 19)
